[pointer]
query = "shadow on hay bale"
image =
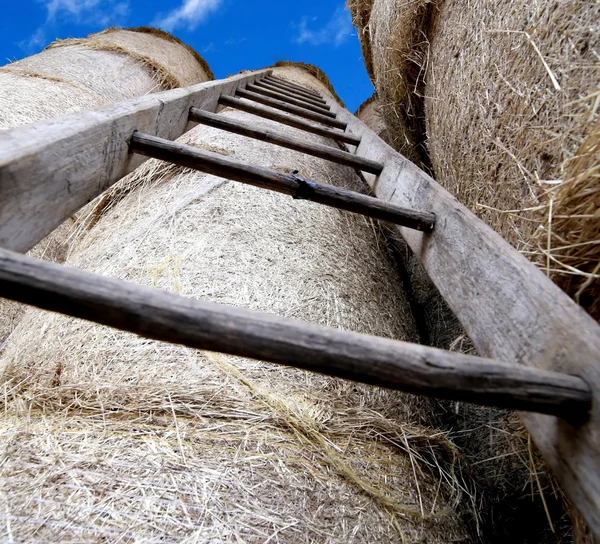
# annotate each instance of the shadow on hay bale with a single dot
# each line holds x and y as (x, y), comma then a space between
(110, 435)
(83, 74)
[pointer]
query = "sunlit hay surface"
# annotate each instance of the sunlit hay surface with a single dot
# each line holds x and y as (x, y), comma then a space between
(85, 74)
(108, 434)
(361, 15)
(399, 55)
(176, 56)
(369, 112)
(78, 74)
(512, 94)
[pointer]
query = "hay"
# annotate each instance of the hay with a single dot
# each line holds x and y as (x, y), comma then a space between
(110, 435)
(511, 96)
(369, 112)
(183, 70)
(313, 70)
(513, 486)
(397, 33)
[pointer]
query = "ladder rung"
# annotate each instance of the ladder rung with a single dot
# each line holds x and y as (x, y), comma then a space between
(291, 121)
(293, 86)
(166, 316)
(269, 85)
(278, 138)
(291, 184)
(285, 90)
(281, 85)
(289, 95)
(284, 106)
(293, 101)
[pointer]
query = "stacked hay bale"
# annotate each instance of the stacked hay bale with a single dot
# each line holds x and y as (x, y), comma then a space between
(109, 435)
(82, 74)
(505, 94)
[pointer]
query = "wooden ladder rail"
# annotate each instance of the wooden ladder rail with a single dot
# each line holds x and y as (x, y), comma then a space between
(509, 308)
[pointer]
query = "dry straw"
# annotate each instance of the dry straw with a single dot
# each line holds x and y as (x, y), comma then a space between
(108, 435)
(510, 94)
(82, 74)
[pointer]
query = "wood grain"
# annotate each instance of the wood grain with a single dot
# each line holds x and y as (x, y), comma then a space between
(290, 184)
(169, 317)
(290, 142)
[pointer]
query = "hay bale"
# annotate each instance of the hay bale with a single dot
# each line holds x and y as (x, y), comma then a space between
(77, 74)
(108, 434)
(80, 74)
(507, 113)
(399, 57)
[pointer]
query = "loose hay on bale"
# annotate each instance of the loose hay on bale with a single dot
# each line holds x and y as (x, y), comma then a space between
(110, 435)
(511, 97)
(400, 52)
(83, 74)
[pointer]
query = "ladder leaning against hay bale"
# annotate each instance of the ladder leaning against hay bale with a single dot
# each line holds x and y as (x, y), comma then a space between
(546, 347)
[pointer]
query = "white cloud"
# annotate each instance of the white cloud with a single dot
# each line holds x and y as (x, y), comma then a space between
(189, 14)
(87, 11)
(335, 31)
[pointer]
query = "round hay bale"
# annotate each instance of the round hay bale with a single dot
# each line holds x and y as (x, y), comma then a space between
(369, 112)
(79, 74)
(399, 57)
(511, 97)
(107, 434)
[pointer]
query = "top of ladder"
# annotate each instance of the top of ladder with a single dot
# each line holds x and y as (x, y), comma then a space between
(511, 311)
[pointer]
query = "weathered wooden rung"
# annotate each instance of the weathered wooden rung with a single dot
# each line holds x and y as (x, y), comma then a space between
(291, 121)
(294, 90)
(314, 101)
(290, 184)
(294, 94)
(161, 315)
(291, 85)
(289, 108)
(285, 98)
(278, 138)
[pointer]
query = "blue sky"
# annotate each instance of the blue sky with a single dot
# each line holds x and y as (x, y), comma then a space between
(230, 34)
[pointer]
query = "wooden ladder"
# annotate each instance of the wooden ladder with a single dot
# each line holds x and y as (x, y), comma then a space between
(543, 350)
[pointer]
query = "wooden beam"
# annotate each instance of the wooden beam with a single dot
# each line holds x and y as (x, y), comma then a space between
(281, 139)
(169, 317)
(509, 308)
(291, 121)
(293, 86)
(49, 170)
(290, 184)
(301, 104)
(291, 94)
(284, 106)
